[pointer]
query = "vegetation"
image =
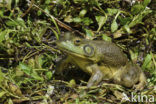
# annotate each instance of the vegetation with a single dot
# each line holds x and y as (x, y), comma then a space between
(28, 56)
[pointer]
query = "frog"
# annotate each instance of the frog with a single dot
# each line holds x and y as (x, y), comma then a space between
(101, 60)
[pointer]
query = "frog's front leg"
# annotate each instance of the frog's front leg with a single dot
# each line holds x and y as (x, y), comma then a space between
(96, 76)
(62, 64)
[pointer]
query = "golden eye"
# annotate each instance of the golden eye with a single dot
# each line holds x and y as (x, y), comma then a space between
(77, 41)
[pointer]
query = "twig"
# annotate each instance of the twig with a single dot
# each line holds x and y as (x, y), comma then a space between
(31, 4)
(61, 24)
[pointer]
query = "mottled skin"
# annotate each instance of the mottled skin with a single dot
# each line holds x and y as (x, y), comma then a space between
(101, 60)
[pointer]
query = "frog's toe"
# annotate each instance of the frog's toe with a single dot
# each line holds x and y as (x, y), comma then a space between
(138, 87)
(89, 85)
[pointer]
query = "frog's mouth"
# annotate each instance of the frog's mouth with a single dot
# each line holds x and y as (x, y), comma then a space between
(73, 53)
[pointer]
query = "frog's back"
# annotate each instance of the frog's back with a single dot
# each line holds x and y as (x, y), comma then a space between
(109, 53)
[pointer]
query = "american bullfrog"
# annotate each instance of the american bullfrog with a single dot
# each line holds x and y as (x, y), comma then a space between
(102, 60)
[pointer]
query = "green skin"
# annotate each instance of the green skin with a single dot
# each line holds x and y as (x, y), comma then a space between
(101, 60)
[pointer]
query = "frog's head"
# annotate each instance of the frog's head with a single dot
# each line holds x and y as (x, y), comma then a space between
(75, 46)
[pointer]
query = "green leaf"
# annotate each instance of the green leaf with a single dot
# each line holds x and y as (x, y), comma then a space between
(40, 60)
(29, 71)
(87, 21)
(11, 23)
(1, 76)
(25, 68)
(112, 11)
(10, 101)
(80, 1)
(106, 38)
(124, 20)
(137, 9)
(2, 93)
(101, 21)
(147, 61)
(1, 13)
(128, 30)
(77, 20)
(146, 2)
(2, 35)
(114, 26)
(36, 76)
(39, 12)
(138, 18)
(9, 2)
(18, 22)
(56, 34)
(72, 83)
(49, 74)
(53, 20)
(47, 1)
(82, 13)
(16, 2)
(47, 10)
(134, 55)
(21, 22)
(68, 19)
(89, 34)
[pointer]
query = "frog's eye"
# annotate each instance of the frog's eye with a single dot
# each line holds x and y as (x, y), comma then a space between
(88, 50)
(77, 41)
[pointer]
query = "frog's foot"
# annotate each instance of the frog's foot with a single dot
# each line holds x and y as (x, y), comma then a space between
(142, 82)
(139, 87)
